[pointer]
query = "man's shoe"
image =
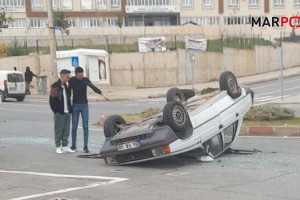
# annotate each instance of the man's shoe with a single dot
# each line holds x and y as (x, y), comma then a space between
(73, 147)
(59, 150)
(86, 150)
(67, 150)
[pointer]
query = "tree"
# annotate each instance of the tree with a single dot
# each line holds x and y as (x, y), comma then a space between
(60, 20)
(120, 24)
(4, 20)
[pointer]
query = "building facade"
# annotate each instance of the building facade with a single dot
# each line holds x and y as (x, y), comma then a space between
(91, 16)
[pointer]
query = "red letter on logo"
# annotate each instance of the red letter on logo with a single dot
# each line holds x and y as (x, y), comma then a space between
(295, 22)
(283, 20)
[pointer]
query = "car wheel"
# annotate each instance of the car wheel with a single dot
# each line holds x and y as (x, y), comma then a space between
(188, 93)
(112, 125)
(2, 96)
(228, 82)
(20, 98)
(175, 94)
(176, 116)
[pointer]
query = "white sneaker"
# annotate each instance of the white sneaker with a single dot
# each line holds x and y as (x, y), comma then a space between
(67, 150)
(59, 150)
(205, 159)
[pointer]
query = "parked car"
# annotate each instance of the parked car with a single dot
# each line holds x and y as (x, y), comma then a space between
(208, 124)
(12, 85)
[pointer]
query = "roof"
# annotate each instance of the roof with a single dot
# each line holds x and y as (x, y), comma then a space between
(76, 52)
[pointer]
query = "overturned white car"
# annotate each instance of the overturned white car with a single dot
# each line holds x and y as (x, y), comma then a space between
(208, 124)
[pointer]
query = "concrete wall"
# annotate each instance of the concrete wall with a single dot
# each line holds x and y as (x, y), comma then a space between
(155, 69)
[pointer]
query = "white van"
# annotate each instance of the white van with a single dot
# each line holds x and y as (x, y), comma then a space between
(12, 85)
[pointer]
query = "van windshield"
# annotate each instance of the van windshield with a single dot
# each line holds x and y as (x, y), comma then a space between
(15, 78)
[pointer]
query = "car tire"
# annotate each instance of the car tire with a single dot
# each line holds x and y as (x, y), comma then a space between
(188, 93)
(2, 96)
(175, 94)
(111, 125)
(228, 82)
(20, 99)
(176, 116)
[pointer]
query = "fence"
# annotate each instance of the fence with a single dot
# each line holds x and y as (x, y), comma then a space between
(116, 44)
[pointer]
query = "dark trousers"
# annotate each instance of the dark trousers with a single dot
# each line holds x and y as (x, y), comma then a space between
(62, 129)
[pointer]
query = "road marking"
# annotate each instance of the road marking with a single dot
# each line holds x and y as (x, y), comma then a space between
(274, 84)
(92, 129)
(272, 98)
(112, 180)
(264, 97)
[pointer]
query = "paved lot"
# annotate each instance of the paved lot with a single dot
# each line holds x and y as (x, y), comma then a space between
(29, 168)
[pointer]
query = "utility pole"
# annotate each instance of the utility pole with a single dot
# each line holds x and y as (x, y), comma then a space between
(52, 40)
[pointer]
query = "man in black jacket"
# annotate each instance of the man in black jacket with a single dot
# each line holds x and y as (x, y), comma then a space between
(78, 85)
(61, 106)
(28, 78)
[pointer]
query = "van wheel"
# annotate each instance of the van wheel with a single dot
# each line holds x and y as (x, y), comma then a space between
(2, 96)
(176, 116)
(112, 125)
(175, 94)
(228, 82)
(20, 98)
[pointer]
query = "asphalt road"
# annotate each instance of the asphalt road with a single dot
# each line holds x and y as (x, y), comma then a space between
(30, 169)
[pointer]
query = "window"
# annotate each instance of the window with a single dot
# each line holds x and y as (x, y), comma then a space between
(233, 3)
(114, 3)
(278, 3)
(101, 4)
(12, 3)
(36, 4)
(89, 23)
(71, 23)
(208, 3)
(18, 23)
(229, 134)
(86, 4)
(54, 3)
(15, 78)
(66, 4)
(237, 20)
(186, 3)
(253, 3)
(215, 145)
(111, 22)
(297, 2)
(38, 23)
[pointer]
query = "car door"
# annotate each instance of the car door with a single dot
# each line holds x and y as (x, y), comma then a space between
(15, 83)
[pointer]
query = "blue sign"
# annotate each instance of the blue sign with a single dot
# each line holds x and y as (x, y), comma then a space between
(75, 61)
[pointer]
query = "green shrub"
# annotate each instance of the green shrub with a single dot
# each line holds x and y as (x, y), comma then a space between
(268, 113)
(208, 90)
(14, 48)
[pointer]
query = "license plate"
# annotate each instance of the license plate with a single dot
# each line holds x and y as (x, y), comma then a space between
(129, 145)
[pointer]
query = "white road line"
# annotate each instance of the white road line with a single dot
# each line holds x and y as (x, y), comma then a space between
(112, 180)
(274, 84)
(92, 129)
(264, 97)
(58, 191)
(272, 98)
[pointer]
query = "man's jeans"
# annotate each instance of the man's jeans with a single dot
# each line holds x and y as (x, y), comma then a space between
(82, 109)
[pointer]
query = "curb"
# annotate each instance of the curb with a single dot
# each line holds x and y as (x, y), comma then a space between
(289, 131)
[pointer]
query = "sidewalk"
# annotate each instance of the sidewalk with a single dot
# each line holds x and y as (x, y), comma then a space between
(132, 93)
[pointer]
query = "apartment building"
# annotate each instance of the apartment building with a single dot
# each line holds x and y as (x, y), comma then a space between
(91, 16)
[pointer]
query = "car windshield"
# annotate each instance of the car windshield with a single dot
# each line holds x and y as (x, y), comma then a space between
(15, 78)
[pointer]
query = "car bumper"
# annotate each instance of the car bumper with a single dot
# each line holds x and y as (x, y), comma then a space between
(155, 146)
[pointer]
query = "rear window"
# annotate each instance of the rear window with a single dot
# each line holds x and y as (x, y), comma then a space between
(15, 78)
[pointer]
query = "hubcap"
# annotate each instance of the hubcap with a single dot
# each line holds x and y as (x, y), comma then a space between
(178, 115)
(232, 84)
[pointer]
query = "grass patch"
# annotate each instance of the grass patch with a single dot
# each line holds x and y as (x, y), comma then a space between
(140, 116)
(289, 122)
(269, 113)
